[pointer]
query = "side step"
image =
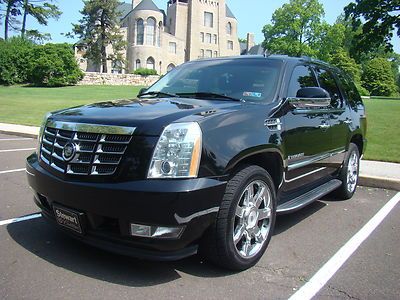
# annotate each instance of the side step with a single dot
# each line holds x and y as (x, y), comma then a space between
(307, 198)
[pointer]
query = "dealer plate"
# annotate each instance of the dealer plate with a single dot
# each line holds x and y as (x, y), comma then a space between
(68, 218)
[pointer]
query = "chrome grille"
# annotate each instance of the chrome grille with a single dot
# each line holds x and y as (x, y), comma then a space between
(96, 153)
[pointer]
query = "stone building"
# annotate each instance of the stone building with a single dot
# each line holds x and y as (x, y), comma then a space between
(160, 40)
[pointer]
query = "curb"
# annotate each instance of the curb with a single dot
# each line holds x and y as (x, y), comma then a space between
(21, 134)
(379, 182)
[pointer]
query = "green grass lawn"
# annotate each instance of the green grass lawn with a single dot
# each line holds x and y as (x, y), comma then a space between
(383, 132)
(27, 105)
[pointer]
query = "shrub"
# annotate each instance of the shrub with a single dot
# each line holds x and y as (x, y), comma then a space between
(378, 78)
(145, 72)
(362, 90)
(54, 65)
(15, 55)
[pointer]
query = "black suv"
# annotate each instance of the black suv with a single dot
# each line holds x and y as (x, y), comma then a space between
(204, 160)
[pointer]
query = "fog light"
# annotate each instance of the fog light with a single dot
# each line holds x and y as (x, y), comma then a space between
(156, 231)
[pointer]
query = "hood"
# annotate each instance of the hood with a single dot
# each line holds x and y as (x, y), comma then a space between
(149, 116)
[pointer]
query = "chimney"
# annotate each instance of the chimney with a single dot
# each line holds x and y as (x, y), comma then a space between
(250, 41)
(135, 2)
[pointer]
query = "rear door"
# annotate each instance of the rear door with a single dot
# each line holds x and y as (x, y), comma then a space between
(306, 139)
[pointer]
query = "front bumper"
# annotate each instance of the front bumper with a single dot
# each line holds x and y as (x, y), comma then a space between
(110, 208)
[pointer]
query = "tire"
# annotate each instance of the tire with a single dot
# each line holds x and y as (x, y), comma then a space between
(349, 174)
(251, 218)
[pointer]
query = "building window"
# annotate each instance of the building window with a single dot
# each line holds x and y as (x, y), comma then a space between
(150, 64)
(138, 64)
(215, 39)
(172, 47)
(201, 53)
(170, 67)
(208, 19)
(208, 38)
(116, 67)
(215, 53)
(151, 31)
(139, 32)
(160, 26)
(230, 45)
(202, 37)
(208, 53)
(229, 28)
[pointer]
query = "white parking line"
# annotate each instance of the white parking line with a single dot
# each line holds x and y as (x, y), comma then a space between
(25, 218)
(311, 288)
(12, 171)
(16, 139)
(16, 150)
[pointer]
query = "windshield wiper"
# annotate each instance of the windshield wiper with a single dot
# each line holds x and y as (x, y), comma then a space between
(158, 94)
(207, 95)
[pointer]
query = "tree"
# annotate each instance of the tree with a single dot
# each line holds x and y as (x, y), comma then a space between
(343, 61)
(378, 77)
(98, 29)
(54, 65)
(294, 29)
(13, 10)
(331, 40)
(15, 56)
(381, 19)
(40, 10)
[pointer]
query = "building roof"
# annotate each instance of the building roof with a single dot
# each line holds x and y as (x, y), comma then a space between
(255, 50)
(146, 5)
(229, 13)
(124, 9)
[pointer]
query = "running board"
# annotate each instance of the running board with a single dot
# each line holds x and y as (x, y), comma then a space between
(307, 198)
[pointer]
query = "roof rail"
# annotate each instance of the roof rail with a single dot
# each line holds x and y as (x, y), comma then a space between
(310, 59)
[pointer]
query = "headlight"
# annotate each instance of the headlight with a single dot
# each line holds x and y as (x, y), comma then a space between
(41, 132)
(178, 152)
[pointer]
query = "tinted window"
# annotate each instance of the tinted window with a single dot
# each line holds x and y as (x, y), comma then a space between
(328, 82)
(350, 90)
(302, 76)
(247, 79)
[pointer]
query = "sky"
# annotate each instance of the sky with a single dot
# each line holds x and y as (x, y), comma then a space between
(252, 15)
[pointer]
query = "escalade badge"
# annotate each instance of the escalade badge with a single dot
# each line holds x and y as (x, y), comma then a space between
(69, 151)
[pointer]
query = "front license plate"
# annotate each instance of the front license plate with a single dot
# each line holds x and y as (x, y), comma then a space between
(68, 218)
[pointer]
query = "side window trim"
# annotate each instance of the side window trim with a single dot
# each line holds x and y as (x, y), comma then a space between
(338, 86)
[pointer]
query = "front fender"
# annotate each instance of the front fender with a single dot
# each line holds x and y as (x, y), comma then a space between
(229, 138)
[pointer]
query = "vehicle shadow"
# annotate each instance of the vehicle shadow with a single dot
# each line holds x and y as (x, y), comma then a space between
(285, 222)
(51, 245)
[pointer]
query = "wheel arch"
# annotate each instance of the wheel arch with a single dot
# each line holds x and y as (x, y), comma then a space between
(358, 140)
(270, 160)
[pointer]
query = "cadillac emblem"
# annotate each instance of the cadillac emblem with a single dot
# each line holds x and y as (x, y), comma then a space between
(69, 151)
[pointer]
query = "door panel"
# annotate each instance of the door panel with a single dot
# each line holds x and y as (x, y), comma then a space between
(339, 117)
(306, 137)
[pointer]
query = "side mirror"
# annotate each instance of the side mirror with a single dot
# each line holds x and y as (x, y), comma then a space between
(142, 91)
(310, 97)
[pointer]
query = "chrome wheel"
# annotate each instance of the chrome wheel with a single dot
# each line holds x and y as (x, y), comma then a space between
(352, 172)
(252, 219)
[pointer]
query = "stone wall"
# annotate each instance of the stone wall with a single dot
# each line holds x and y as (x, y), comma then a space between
(93, 78)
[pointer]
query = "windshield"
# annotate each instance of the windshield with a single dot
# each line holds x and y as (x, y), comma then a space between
(253, 80)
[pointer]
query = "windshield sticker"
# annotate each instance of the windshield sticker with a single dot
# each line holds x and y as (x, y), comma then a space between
(252, 94)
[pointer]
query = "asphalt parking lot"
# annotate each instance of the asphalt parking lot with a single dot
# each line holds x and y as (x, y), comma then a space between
(38, 262)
